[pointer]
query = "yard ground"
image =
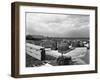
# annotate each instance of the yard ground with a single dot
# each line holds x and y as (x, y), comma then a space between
(80, 56)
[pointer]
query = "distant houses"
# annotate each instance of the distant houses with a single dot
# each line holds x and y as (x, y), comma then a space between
(54, 43)
(49, 44)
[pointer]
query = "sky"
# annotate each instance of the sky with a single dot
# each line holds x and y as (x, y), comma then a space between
(57, 25)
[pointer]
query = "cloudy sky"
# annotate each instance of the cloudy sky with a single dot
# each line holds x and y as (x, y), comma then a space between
(57, 25)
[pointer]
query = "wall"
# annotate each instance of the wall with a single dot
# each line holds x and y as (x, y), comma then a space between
(5, 40)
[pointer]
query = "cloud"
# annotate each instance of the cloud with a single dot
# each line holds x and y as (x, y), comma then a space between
(58, 25)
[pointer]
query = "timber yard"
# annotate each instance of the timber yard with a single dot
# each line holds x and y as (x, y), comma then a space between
(55, 51)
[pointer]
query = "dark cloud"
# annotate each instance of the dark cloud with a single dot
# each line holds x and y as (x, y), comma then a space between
(58, 25)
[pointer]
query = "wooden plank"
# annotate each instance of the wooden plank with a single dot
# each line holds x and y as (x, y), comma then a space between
(33, 50)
